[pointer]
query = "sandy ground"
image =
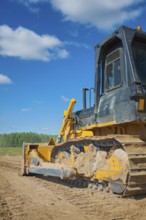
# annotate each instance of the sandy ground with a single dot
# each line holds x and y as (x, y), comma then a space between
(33, 197)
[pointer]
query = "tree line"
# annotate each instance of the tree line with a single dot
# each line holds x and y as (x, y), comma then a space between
(17, 139)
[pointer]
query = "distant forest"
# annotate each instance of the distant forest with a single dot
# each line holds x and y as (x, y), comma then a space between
(17, 139)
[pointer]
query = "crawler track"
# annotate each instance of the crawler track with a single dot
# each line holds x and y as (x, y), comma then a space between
(134, 146)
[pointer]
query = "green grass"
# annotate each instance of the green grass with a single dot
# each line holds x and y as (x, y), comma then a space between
(10, 150)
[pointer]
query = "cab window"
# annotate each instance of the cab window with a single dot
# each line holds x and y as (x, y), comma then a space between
(113, 70)
(139, 52)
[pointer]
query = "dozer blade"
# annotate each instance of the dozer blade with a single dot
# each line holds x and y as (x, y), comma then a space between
(36, 159)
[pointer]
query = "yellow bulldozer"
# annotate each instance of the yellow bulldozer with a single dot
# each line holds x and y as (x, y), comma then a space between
(105, 143)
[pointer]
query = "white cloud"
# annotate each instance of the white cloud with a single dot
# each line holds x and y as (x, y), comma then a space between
(63, 54)
(76, 44)
(32, 1)
(103, 14)
(26, 109)
(5, 79)
(65, 99)
(28, 45)
(32, 5)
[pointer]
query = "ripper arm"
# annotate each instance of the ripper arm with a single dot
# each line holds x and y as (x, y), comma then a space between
(67, 122)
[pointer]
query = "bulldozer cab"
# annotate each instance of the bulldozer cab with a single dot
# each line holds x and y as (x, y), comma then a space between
(120, 80)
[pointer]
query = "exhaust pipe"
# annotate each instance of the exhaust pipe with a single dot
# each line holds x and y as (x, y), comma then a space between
(84, 91)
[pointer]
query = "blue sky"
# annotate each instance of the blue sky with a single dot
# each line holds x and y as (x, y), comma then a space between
(47, 55)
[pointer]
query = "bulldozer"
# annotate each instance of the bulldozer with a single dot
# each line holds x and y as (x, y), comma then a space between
(104, 144)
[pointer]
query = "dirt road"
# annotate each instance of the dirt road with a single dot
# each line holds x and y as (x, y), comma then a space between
(35, 198)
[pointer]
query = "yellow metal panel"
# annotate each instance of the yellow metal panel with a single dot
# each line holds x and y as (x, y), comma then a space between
(65, 112)
(86, 133)
(51, 142)
(88, 130)
(26, 154)
(45, 152)
(106, 124)
(111, 171)
(67, 116)
(141, 105)
(72, 157)
(80, 133)
(86, 148)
